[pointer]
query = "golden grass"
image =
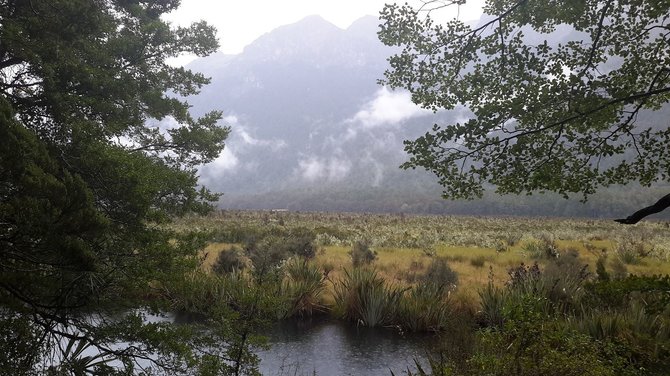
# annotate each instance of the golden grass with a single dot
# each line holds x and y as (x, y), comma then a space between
(211, 253)
(403, 243)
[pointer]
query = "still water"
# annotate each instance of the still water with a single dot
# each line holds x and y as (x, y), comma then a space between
(332, 348)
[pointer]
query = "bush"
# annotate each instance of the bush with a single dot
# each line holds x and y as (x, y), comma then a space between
(271, 250)
(301, 242)
(512, 238)
(478, 262)
(266, 253)
(441, 275)
(362, 254)
(532, 346)
(543, 248)
(229, 260)
(565, 278)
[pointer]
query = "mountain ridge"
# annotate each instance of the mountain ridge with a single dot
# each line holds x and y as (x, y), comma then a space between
(308, 117)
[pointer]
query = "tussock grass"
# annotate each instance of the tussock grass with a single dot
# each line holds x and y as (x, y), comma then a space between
(401, 242)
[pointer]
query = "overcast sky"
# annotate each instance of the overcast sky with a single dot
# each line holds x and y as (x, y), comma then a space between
(240, 22)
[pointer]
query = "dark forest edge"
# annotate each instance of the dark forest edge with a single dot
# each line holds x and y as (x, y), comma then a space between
(609, 203)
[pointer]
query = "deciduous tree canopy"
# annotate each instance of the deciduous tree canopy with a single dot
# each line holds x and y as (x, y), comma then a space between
(554, 90)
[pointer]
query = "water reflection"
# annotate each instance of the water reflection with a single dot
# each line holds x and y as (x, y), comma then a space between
(335, 348)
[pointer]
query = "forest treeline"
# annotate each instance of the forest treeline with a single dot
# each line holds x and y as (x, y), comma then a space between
(610, 203)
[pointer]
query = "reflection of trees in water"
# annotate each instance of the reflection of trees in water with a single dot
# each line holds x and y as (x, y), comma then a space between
(337, 348)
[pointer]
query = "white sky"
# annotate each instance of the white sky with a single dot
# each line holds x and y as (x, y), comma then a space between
(240, 22)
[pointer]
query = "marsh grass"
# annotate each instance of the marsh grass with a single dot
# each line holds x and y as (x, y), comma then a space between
(531, 307)
(366, 298)
(467, 243)
(424, 307)
(302, 287)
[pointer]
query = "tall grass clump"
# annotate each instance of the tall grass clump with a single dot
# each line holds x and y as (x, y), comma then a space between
(565, 278)
(364, 297)
(302, 287)
(630, 253)
(493, 301)
(543, 248)
(362, 254)
(426, 306)
(559, 288)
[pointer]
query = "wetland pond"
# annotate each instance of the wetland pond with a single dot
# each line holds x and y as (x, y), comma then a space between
(333, 348)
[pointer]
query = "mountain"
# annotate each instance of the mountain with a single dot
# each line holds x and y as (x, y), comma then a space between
(306, 110)
(313, 130)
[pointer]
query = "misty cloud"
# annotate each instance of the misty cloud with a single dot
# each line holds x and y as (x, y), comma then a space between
(242, 136)
(227, 162)
(388, 108)
(331, 169)
(375, 169)
(250, 140)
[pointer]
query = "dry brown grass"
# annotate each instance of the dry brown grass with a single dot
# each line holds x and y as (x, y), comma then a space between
(468, 243)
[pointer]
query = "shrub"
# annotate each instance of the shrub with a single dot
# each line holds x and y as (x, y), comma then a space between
(501, 246)
(301, 242)
(266, 253)
(601, 269)
(641, 338)
(229, 260)
(478, 261)
(565, 278)
(512, 238)
(271, 250)
(534, 346)
(362, 254)
(524, 277)
(543, 248)
(441, 275)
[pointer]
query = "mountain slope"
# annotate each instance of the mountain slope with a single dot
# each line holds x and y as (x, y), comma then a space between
(312, 129)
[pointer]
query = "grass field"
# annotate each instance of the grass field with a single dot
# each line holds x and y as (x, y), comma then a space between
(479, 249)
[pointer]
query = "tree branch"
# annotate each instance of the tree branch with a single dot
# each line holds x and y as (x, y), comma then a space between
(658, 207)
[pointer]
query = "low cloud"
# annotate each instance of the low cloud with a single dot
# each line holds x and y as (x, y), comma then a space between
(330, 169)
(238, 145)
(388, 108)
(248, 139)
(226, 163)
